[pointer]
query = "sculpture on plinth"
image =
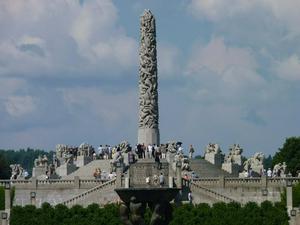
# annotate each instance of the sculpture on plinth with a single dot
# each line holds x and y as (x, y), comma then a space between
(233, 161)
(213, 154)
(17, 172)
(148, 132)
(254, 165)
(279, 170)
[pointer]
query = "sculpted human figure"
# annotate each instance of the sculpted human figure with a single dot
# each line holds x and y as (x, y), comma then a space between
(234, 152)
(124, 214)
(213, 148)
(137, 210)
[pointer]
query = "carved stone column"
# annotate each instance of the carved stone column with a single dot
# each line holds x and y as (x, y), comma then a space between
(148, 132)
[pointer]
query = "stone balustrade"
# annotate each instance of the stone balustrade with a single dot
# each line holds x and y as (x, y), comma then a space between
(53, 184)
(74, 200)
(214, 194)
(246, 182)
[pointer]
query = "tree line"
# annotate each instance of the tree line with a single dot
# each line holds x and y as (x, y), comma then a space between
(24, 157)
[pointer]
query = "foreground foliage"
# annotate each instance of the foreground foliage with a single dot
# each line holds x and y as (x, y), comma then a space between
(231, 214)
(202, 214)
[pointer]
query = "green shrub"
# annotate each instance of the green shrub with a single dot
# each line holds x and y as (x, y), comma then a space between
(2, 198)
(202, 214)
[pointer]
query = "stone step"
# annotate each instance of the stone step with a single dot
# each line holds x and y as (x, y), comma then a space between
(204, 168)
(101, 194)
(216, 196)
(87, 171)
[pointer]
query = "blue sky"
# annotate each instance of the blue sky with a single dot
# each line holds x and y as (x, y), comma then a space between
(229, 72)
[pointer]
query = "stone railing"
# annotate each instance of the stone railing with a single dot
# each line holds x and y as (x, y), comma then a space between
(245, 182)
(84, 195)
(211, 193)
(54, 183)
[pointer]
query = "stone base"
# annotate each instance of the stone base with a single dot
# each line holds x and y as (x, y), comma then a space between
(257, 170)
(215, 159)
(65, 169)
(231, 168)
(148, 136)
(38, 171)
(82, 160)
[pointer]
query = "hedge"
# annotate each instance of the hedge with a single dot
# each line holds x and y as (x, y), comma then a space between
(2, 198)
(202, 214)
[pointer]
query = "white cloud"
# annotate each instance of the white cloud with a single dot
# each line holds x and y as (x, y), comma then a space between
(289, 69)
(50, 37)
(109, 108)
(219, 73)
(286, 12)
(217, 57)
(167, 57)
(20, 105)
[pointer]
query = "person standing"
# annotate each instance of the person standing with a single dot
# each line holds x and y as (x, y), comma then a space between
(161, 180)
(157, 158)
(190, 198)
(191, 151)
(150, 151)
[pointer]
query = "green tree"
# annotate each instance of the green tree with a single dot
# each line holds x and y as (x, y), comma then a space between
(289, 153)
(25, 157)
(267, 162)
(2, 198)
(4, 167)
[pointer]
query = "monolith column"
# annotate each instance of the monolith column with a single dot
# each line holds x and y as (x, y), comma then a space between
(148, 132)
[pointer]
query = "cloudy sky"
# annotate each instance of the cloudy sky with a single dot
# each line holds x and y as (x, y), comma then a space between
(229, 72)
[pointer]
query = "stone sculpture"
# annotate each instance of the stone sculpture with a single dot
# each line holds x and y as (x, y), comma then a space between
(85, 149)
(255, 164)
(212, 148)
(41, 161)
(213, 154)
(280, 169)
(148, 96)
(17, 172)
(234, 155)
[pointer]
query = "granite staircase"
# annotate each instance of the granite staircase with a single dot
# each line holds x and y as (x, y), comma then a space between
(101, 194)
(87, 171)
(208, 195)
(204, 168)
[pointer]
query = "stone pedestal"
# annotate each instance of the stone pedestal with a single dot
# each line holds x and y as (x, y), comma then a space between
(231, 168)
(65, 169)
(257, 170)
(148, 136)
(213, 158)
(82, 160)
(38, 171)
(237, 159)
(289, 198)
(7, 199)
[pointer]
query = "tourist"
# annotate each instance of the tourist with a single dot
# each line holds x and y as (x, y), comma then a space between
(94, 155)
(100, 151)
(131, 158)
(191, 151)
(161, 179)
(180, 150)
(269, 173)
(150, 148)
(163, 151)
(190, 198)
(139, 151)
(148, 180)
(144, 150)
(109, 152)
(157, 158)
